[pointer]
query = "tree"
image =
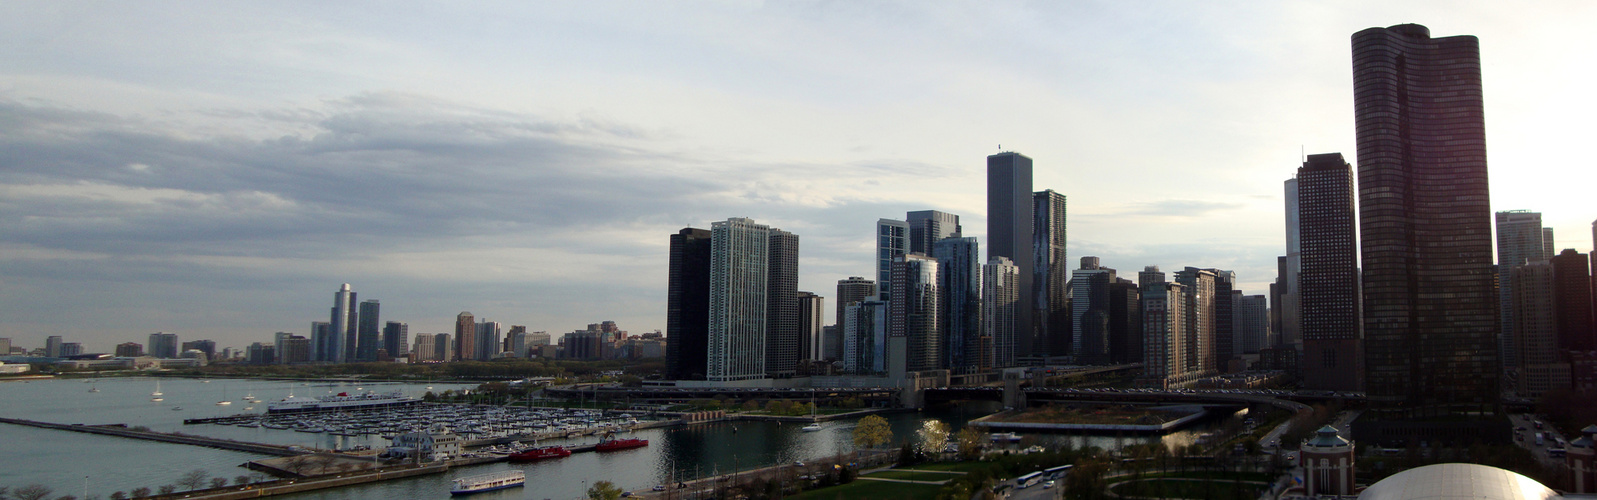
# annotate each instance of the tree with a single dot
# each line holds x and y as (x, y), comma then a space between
(32, 492)
(193, 479)
(119, 496)
(140, 492)
(933, 434)
(604, 490)
(1086, 479)
(872, 432)
(241, 480)
(297, 464)
(218, 482)
(970, 443)
(168, 489)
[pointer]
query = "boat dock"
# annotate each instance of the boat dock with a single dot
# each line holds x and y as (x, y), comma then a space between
(121, 430)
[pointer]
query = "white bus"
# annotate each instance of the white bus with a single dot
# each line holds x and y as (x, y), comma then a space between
(1029, 480)
(1057, 472)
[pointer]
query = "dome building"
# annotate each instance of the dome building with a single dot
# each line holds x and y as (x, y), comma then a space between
(1460, 482)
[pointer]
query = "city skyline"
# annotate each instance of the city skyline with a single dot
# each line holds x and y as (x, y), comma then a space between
(221, 190)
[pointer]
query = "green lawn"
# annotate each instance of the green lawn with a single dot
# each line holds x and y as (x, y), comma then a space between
(950, 466)
(910, 475)
(872, 489)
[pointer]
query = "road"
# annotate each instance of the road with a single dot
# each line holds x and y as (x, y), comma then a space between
(1527, 438)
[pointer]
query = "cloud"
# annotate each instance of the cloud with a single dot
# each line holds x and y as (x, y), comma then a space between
(1170, 208)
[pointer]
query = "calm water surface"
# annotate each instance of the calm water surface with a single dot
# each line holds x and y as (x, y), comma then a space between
(62, 460)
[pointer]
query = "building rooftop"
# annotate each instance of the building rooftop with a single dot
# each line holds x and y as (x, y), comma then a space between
(1458, 481)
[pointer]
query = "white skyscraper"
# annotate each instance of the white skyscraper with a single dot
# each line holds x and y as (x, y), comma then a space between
(739, 260)
(340, 324)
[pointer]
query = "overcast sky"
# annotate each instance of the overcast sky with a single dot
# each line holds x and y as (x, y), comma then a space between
(218, 169)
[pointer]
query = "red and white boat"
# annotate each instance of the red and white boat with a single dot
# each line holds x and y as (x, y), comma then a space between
(611, 444)
(531, 454)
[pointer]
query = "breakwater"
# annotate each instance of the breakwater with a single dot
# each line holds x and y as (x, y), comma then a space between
(121, 430)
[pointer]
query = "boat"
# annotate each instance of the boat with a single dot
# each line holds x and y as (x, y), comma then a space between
(609, 443)
(489, 482)
(157, 399)
(340, 401)
(176, 408)
(157, 392)
(223, 403)
(812, 427)
(531, 454)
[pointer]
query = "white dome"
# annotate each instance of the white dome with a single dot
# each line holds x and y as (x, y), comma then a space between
(1458, 481)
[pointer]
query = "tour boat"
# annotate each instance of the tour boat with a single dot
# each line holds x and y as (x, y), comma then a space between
(620, 444)
(531, 454)
(812, 427)
(342, 401)
(489, 482)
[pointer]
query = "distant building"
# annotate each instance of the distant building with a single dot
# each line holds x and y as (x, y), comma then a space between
(516, 341)
(1520, 241)
(52, 346)
(913, 310)
(424, 349)
(1001, 307)
(488, 340)
(1328, 279)
(1535, 332)
(368, 334)
(294, 349)
(322, 341)
(1089, 311)
(345, 321)
(743, 256)
(1577, 328)
(849, 292)
(865, 337)
(71, 349)
(396, 338)
(783, 336)
(959, 265)
(163, 345)
(465, 348)
(1051, 276)
(892, 240)
(812, 317)
(206, 346)
(1125, 322)
(129, 350)
(260, 354)
(1010, 225)
(1286, 292)
(1201, 288)
(687, 310)
(1253, 322)
(1166, 344)
(927, 227)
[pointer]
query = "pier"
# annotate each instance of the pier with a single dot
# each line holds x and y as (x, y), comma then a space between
(121, 430)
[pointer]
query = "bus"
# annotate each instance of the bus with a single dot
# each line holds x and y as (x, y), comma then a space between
(1057, 472)
(1029, 480)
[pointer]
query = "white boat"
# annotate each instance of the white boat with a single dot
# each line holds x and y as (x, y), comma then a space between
(223, 403)
(489, 482)
(812, 427)
(157, 389)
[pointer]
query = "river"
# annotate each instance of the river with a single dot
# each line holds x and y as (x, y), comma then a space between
(72, 462)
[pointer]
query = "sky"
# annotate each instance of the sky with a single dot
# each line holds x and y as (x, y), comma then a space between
(219, 169)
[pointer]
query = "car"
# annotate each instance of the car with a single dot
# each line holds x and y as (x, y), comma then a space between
(1048, 484)
(798, 464)
(659, 487)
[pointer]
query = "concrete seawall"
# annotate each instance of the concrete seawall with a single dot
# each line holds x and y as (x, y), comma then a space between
(120, 430)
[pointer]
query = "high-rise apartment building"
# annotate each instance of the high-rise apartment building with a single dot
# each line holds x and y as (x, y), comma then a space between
(811, 319)
(892, 240)
(465, 348)
(1253, 323)
(865, 337)
(1535, 330)
(488, 340)
(69, 349)
(782, 334)
(1125, 322)
(1001, 308)
(129, 350)
(687, 307)
(1328, 278)
(1200, 287)
(1521, 239)
(927, 227)
(1051, 274)
(850, 291)
(443, 347)
(1089, 312)
(322, 341)
(739, 271)
(1165, 342)
(294, 349)
(343, 317)
(52, 346)
(206, 346)
(959, 284)
(913, 311)
(163, 345)
(425, 348)
(1430, 311)
(1289, 269)
(1149, 276)
(1577, 326)
(368, 332)
(1010, 209)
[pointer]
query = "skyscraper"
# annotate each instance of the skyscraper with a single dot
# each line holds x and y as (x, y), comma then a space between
(1199, 287)
(1051, 273)
(1089, 312)
(488, 340)
(342, 318)
(1535, 330)
(851, 290)
(913, 310)
(927, 227)
(1520, 241)
(1328, 280)
(396, 338)
(1430, 314)
(1577, 326)
(321, 341)
(688, 305)
(782, 336)
(811, 319)
(1165, 341)
(465, 348)
(1125, 322)
(367, 337)
(1001, 307)
(443, 348)
(959, 283)
(425, 348)
(52, 346)
(739, 265)
(1253, 323)
(865, 337)
(892, 240)
(1009, 235)
(1289, 269)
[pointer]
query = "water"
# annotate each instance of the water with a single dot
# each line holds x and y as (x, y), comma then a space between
(61, 460)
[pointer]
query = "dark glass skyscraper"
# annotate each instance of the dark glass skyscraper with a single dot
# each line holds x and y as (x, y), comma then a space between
(1430, 310)
(1328, 280)
(1009, 235)
(927, 227)
(913, 309)
(687, 310)
(959, 279)
(1050, 273)
(396, 338)
(782, 336)
(366, 336)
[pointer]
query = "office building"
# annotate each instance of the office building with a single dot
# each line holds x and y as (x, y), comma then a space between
(687, 308)
(396, 338)
(206, 346)
(163, 345)
(1521, 239)
(1010, 209)
(368, 331)
(1089, 312)
(1425, 222)
(1125, 322)
(1328, 275)
(322, 341)
(52, 346)
(1166, 362)
(1536, 329)
(1001, 308)
(293, 349)
(739, 271)
(342, 318)
(927, 227)
(1051, 275)
(865, 337)
(913, 311)
(892, 240)
(1200, 288)
(488, 340)
(1150, 275)
(812, 318)
(260, 354)
(465, 348)
(1577, 330)
(959, 284)
(129, 350)
(1289, 269)
(850, 291)
(444, 347)
(783, 338)
(1253, 323)
(69, 349)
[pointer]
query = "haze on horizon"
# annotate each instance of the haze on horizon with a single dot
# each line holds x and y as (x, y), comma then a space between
(218, 170)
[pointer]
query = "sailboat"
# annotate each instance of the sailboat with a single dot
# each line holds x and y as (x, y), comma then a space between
(814, 425)
(94, 388)
(224, 401)
(157, 388)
